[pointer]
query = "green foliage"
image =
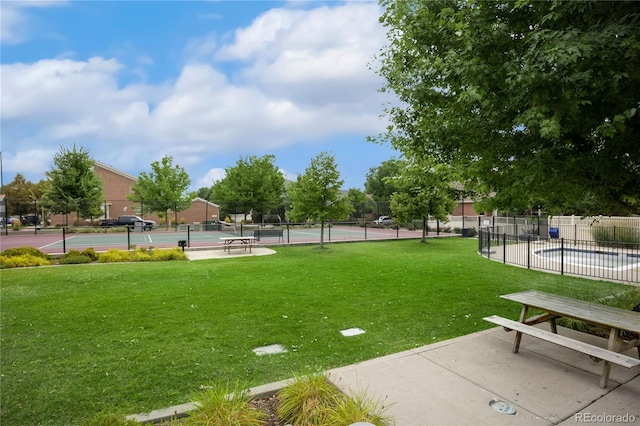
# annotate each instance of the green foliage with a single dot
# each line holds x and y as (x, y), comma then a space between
(105, 419)
(20, 195)
(360, 202)
(90, 253)
(169, 254)
(615, 236)
(317, 194)
(360, 408)
(423, 188)
(379, 183)
(73, 185)
(227, 404)
(114, 255)
(254, 184)
(308, 400)
(163, 189)
(74, 257)
(141, 255)
(22, 257)
(25, 250)
(534, 102)
(313, 400)
(22, 261)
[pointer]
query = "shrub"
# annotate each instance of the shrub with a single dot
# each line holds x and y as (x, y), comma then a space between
(114, 255)
(23, 261)
(74, 257)
(19, 251)
(90, 253)
(225, 405)
(169, 254)
(614, 236)
(140, 255)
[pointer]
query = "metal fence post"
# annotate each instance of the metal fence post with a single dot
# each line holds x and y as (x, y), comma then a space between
(562, 256)
(504, 248)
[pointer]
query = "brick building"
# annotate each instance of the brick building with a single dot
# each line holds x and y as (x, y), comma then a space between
(117, 186)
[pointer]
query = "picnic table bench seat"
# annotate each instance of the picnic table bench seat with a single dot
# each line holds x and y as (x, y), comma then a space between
(568, 342)
(612, 319)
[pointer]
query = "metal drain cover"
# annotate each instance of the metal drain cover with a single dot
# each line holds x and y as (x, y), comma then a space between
(502, 407)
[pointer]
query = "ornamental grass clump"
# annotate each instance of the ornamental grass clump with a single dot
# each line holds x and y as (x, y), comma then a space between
(360, 408)
(224, 404)
(308, 400)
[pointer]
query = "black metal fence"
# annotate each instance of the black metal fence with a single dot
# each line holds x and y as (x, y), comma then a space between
(608, 260)
(57, 240)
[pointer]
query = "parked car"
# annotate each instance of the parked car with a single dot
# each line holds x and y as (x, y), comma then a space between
(30, 219)
(383, 221)
(129, 220)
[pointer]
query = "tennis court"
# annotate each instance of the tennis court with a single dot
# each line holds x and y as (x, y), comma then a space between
(55, 241)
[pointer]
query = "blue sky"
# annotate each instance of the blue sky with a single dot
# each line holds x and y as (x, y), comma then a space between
(206, 82)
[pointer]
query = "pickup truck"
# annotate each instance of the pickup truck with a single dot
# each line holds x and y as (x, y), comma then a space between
(129, 220)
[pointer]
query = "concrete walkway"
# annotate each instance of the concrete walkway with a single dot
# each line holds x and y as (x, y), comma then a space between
(235, 251)
(453, 383)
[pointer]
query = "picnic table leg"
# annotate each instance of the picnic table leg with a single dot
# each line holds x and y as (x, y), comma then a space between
(554, 327)
(523, 319)
(606, 367)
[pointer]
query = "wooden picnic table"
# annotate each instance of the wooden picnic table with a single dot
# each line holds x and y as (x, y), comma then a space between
(613, 320)
(243, 242)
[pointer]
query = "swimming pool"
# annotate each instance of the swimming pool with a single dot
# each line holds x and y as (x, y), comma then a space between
(596, 258)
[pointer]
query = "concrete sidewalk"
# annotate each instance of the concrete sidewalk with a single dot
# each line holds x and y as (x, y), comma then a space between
(453, 383)
(235, 251)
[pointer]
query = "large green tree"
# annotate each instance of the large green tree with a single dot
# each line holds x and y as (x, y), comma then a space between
(424, 188)
(254, 184)
(535, 100)
(377, 183)
(73, 185)
(360, 202)
(22, 196)
(163, 189)
(317, 194)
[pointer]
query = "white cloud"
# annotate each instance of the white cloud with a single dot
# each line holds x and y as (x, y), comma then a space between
(15, 19)
(212, 176)
(301, 76)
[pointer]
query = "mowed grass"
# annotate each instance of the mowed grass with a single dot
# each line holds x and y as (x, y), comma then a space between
(128, 338)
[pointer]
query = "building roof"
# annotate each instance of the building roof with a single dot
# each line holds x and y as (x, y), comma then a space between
(202, 200)
(116, 171)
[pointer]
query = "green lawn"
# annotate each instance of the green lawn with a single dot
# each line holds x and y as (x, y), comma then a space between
(128, 338)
